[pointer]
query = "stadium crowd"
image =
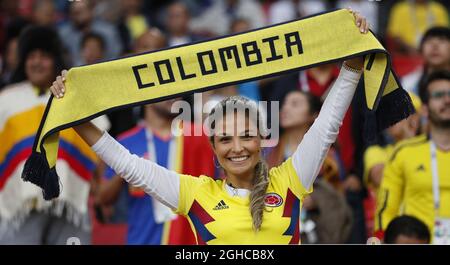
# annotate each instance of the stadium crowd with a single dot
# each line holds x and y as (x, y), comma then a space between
(395, 187)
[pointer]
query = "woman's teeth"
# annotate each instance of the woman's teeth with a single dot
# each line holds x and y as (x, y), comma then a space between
(238, 159)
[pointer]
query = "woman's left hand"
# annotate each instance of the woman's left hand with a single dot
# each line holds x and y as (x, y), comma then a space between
(361, 22)
(363, 25)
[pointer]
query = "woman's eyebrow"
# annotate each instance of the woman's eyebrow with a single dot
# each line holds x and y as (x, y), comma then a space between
(248, 132)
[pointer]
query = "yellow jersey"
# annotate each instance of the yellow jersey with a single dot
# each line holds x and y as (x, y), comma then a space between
(407, 182)
(216, 217)
(375, 155)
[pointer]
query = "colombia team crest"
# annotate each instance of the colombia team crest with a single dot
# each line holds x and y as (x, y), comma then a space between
(273, 200)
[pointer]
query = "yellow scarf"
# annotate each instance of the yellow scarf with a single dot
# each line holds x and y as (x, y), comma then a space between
(93, 90)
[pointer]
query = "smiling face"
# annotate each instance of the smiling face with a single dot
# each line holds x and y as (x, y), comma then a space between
(237, 145)
(40, 68)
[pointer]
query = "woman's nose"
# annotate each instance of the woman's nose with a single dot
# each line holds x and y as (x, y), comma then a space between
(237, 146)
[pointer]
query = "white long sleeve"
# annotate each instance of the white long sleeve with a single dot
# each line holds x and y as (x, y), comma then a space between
(311, 152)
(157, 181)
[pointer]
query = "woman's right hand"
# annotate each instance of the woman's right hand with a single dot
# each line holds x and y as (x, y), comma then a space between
(58, 89)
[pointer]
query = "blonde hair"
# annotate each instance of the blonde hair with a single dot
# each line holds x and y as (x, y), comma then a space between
(261, 175)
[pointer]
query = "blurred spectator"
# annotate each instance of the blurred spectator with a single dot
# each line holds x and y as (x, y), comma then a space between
(435, 50)
(248, 89)
(25, 218)
(298, 112)
(318, 81)
(177, 25)
(416, 175)
(367, 8)
(407, 229)
(92, 48)
(408, 21)
(9, 17)
(154, 10)
(285, 10)
(44, 13)
(326, 217)
(239, 25)
(376, 156)
(132, 23)
(151, 40)
(108, 10)
(327, 203)
(9, 60)
(216, 20)
(81, 22)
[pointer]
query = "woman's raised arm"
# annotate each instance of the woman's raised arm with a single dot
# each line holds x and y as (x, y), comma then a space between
(310, 153)
(157, 181)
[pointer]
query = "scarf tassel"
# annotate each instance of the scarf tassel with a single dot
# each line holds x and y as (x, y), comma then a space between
(393, 108)
(38, 172)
